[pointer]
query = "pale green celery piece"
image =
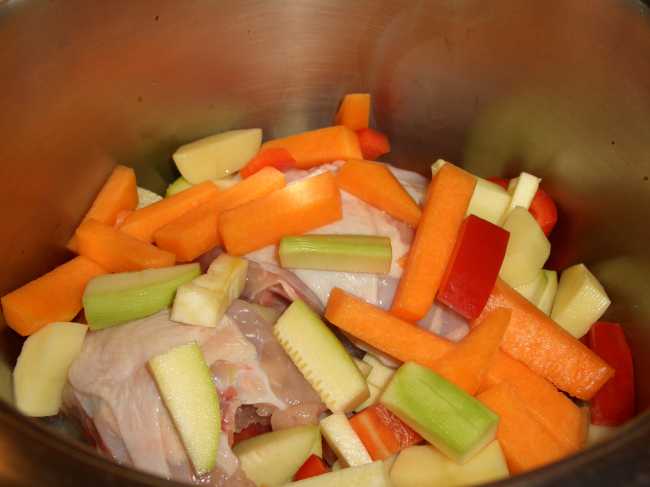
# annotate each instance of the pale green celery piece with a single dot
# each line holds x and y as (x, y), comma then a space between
(186, 387)
(113, 299)
(445, 415)
(178, 185)
(345, 253)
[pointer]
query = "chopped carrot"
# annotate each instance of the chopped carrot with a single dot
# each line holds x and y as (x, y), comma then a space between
(118, 252)
(295, 209)
(540, 343)
(317, 147)
(373, 143)
(405, 342)
(402, 260)
(373, 183)
(197, 231)
(143, 223)
(546, 404)
(260, 184)
(469, 361)
(55, 296)
(278, 158)
(121, 216)
(526, 444)
(354, 111)
(381, 432)
(382, 330)
(119, 193)
(435, 238)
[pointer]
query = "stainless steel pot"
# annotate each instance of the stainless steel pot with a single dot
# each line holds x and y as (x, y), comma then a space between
(559, 88)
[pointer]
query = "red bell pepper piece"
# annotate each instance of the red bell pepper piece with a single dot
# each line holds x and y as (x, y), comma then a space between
(474, 267)
(250, 431)
(614, 404)
(381, 432)
(373, 144)
(544, 210)
(279, 158)
(312, 467)
(500, 181)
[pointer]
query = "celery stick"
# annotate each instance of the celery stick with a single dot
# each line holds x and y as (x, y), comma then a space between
(345, 253)
(447, 417)
(117, 298)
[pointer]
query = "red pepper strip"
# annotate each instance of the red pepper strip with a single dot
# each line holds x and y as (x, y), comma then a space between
(381, 432)
(473, 267)
(614, 404)
(544, 210)
(312, 467)
(373, 144)
(279, 158)
(251, 431)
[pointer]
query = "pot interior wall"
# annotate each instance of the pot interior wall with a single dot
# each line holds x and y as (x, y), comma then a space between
(561, 89)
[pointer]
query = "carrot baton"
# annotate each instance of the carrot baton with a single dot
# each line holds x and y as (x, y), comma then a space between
(376, 185)
(317, 147)
(444, 211)
(354, 111)
(540, 343)
(197, 231)
(526, 443)
(299, 207)
(55, 296)
(119, 194)
(143, 223)
(406, 342)
(118, 252)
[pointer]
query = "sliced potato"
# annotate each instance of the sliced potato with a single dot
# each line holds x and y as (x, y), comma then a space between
(42, 367)
(545, 302)
(217, 156)
(489, 201)
(528, 248)
(580, 300)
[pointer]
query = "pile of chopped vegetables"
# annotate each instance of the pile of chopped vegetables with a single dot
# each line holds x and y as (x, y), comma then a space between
(295, 312)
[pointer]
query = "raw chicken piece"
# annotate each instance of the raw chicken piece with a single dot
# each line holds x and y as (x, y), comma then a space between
(359, 218)
(110, 384)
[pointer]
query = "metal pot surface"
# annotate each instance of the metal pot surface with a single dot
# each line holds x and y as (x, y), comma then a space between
(558, 88)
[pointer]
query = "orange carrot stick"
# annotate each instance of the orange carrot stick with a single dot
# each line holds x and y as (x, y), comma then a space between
(277, 158)
(295, 209)
(319, 146)
(382, 330)
(537, 341)
(119, 193)
(118, 252)
(143, 223)
(354, 111)
(55, 296)
(545, 403)
(526, 444)
(469, 361)
(406, 342)
(375, 184)
(449, 195)
(197, 231)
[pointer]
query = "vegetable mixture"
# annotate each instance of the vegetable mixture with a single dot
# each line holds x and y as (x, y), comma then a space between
(294, 312)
